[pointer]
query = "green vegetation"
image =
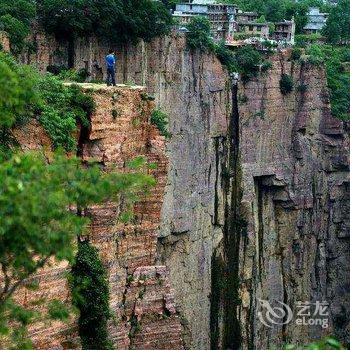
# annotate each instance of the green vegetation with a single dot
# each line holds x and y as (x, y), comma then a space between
(26, 94)
(114, 20)
(62, 108)
(36, 224)
(15, 19)
(246, 60)
(286, 84)
(338, 75)
(328, 343)
(90, 291)
(199, 35)
(337, 62)
(337, 29)
(315, 54)
(296, 54)
(302, 40)
(18, 91)
(160, 120)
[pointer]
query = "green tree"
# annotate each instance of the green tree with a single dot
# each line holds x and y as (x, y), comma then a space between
(170, 4)
(286, 84)
(199, 35)
(27, 94)
(140, 19)
(248, 60)
(61, 109)
(115, 20)
(16, 18)
(17, 96)
(337, 29)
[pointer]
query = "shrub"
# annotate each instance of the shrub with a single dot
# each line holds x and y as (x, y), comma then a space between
(61, 109)
(225, 56)
(198, 35)
(17, 31)
(329, 343)
(248, 60)
(78, 76)
(338, 23)
(302, 88)
(286, 84)
(338, 80)
(266, 65)
(160, 120)
(18, 91)
(315, 54)
(15, 19)
(90, 293)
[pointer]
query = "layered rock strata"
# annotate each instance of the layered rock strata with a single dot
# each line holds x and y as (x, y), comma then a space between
(141, 297)
(295, 163)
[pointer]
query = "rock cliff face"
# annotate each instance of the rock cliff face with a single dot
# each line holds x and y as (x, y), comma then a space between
(141, 295)
(256, 198)
(295, 161)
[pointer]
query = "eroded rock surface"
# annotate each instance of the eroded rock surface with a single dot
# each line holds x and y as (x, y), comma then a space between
(295, 159)
(141, 295)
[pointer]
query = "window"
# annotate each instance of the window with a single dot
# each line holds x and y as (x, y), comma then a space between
(251, 28)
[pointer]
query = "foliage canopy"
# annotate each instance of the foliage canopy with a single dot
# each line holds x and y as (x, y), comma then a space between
(114, 20)
(337, 29)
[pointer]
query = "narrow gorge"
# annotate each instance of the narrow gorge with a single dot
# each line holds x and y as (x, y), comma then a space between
(252, 199)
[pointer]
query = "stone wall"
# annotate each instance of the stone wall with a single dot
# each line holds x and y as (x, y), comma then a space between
(141, 296)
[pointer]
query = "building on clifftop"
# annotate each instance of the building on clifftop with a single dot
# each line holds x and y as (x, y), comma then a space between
(284, 32)
(316, 21)
(220, 16)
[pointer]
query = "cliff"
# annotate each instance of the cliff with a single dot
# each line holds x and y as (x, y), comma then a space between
(295, 161)
(251, 203)
(141, 296)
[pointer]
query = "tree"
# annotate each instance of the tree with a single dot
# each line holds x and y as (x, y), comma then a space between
(199, 35)
(337, 29)
(248, 60)
(36, 224)
(140, 19)
(17, 95)
(116, 20)
(26, 94)
(286, 84)
(170, 4)
(16, 18)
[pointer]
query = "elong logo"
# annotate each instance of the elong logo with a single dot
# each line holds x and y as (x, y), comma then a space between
(282, 314)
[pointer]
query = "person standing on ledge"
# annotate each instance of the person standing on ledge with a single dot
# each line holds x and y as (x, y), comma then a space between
(110, 63)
